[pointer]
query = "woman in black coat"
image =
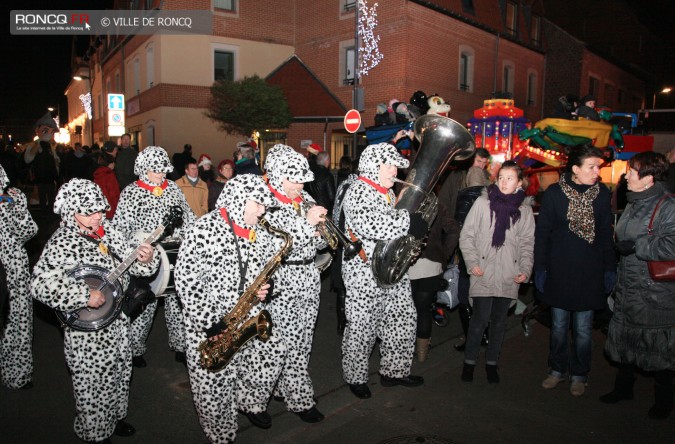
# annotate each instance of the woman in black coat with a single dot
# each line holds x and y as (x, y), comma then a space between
(574, 263)
(642, 330)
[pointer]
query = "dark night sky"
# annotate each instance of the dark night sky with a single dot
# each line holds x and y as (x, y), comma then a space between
(36, 69)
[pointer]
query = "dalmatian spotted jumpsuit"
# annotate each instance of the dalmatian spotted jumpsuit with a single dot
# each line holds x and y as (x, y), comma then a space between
(16, 228)
(295, 305)
(99, 361)
(207, 280)
(139, 210)
(372, 311)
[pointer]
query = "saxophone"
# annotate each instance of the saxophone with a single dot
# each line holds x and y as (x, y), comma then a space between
(215, 354)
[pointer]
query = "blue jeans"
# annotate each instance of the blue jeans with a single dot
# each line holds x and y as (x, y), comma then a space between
(560, 360)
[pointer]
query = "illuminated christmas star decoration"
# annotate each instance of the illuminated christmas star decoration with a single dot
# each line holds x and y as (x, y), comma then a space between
(368, 49)
(86, 103)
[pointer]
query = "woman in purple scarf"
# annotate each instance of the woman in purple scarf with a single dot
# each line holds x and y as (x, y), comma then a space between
(497, 242)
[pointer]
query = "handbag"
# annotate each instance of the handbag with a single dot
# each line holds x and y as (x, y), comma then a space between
(450, 296)
(662, 271)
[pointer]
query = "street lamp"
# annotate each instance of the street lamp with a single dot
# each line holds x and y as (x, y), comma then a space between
(663, 91)
(86, 104)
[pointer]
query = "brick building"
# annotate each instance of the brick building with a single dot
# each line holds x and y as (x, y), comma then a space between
(462, 50)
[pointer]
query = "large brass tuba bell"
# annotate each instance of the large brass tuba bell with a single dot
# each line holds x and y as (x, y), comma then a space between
(441, 140)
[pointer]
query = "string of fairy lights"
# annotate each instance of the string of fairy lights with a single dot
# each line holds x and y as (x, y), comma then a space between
(369, 51)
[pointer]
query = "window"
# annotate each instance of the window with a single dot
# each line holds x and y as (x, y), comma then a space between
(118, 85)
(137, 76)
(150, 66)
(511, 18)
(532, 88)
(467, 6)
(593, 86)
(535, 30)
(465, 68)
(226, 5)
(347, 6)
(509, 77)
(609, 96)
(350, 53)
(223, 65)
(107, 86)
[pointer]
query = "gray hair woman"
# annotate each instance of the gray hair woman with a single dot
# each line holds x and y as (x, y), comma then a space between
(642, 330)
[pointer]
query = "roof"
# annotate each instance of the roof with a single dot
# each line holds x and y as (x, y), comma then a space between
(308, 98)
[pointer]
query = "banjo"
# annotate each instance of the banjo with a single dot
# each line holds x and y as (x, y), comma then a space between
(108, 283)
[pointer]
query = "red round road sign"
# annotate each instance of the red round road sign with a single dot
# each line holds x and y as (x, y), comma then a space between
(352, 121)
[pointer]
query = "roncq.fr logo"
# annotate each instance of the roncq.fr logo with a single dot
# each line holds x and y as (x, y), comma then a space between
(51, 19)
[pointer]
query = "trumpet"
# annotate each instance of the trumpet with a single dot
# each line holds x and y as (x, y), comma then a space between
(332, 234)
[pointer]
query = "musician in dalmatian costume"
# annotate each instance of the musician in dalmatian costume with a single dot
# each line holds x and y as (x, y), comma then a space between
(16, 228)
(295, 304)
(221, 255)
(372, 311)
(142, 206)
(100, 360)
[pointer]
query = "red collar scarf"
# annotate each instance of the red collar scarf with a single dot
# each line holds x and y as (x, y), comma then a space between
(377, 187)
(98, 234)
(155, 190)
(242, 232)
(285, 199)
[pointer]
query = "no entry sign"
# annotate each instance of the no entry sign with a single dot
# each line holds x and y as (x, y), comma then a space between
(352, 121)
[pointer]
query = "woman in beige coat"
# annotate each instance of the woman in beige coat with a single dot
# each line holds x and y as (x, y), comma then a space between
(497, 243)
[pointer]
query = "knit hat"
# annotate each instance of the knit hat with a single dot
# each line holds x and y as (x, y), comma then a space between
(152, 158)
(283, 162)
(204, 159)
(79, 196)
(315, 148)
(380, 153)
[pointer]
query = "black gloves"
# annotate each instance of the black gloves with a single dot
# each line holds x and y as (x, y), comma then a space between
(625, 247)
(418, 226)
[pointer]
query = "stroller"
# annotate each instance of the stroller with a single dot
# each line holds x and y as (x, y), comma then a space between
(447, 298)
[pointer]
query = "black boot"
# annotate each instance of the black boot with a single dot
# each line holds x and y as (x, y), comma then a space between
(340, 308)
(663, 402)
(623, 389)
(467, 372)
(464, 316)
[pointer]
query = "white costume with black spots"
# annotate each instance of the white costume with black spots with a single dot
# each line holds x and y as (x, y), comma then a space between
(139, 210)
(295, 305)
(372, 311)
(99, 361)
(16, 228)
(208, 279)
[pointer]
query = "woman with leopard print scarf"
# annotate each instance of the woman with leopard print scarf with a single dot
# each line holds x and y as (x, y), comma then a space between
(574, 263)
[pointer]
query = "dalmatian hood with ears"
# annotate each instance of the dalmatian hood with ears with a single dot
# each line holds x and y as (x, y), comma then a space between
(152, 158)
(375, 155)
(4, 180)
(283, 162)
(240, 189)
(79, 196)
